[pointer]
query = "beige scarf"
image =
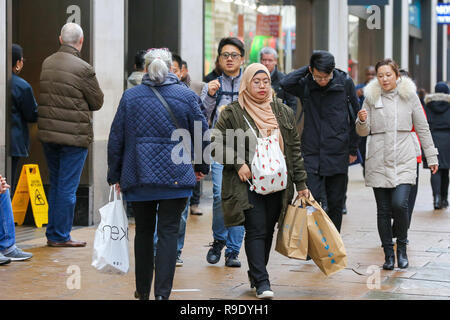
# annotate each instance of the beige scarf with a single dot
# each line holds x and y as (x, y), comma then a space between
(259, 108)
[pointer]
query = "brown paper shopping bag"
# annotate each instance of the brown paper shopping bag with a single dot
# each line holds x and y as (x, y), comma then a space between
(292, 238)
(325, 245)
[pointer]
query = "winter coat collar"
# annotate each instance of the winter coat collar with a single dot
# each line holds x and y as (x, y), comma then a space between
(406, 89)
(69, 49)
(437, 97)
(170, 79)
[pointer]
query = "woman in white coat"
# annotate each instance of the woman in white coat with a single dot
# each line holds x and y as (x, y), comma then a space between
(391, 108)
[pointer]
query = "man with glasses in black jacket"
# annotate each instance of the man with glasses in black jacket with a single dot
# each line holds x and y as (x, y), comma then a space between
(329, 140)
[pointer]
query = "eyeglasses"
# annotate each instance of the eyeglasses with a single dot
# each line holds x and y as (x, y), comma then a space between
(257, 83)
(316, 78)
(233, 55)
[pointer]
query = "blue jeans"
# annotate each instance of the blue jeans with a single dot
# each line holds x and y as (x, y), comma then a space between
(7, 229)
(181, 232)
(65, 164)
(232, 236)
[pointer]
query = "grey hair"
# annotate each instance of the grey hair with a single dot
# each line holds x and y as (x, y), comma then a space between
(71, 33)
(268, 50)
(158, 63)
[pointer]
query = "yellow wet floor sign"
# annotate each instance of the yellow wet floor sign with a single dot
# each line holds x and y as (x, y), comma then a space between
(29, 188)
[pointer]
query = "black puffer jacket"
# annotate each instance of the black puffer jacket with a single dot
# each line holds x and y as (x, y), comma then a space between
(437, 107)
(329, 135)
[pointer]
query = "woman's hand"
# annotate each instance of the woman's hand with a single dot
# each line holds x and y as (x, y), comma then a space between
(362, 115)
(117, 187)
(244, 173)
(303, 194)
(434, 168)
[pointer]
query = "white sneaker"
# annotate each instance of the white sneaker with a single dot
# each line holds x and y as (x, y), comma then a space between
(267, 294)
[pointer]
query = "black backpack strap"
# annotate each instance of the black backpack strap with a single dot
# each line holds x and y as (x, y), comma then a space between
(349, 104)
(164, 103)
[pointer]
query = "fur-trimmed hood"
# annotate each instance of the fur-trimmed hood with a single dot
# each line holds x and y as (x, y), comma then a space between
(406, 88)
(438, 102)
(437, 97)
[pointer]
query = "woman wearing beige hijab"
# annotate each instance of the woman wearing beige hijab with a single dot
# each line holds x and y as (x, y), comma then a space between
(258, 213)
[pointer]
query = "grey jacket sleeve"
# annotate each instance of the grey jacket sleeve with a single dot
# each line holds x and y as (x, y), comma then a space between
(363, 128)
(208, 101)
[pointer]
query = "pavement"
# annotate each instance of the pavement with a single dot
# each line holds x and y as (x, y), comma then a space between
(66, 273)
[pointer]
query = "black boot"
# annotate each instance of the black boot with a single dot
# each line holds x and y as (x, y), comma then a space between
(139, 296)
(444, 203)
(437, 202)
(402, 258)
(389, 258)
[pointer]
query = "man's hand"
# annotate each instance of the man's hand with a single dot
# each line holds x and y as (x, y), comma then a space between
(199, 176)
(434, 168)
(3, 185)
(244, 173)
(213, 86)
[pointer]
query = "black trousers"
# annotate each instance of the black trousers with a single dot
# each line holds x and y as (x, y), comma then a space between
(169, 214)
(259, 227)
(411, 204)
(14, 174)
(335, 189)
(392, 203)
(439, 183)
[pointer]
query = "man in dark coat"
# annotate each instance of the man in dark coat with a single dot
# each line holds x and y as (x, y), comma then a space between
(329, 140)
(268, 57)
(437, 107)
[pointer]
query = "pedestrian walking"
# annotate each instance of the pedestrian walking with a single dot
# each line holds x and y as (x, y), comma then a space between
(391, 108)
(8, 250)
(140, 163)
(217, 71)
(135, 77)
(269, 58)
(329, 140)
(23, 112)
(437, 107)
(215, 95)
(69, 93)
(257, 110)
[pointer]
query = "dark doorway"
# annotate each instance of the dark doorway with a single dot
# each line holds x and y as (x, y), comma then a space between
(36, 26)
(151, 24)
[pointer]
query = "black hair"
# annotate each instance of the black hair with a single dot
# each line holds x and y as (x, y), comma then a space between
(231, 41)
(184, 63)
(404, 73)
(177, 58)
(139, 59)
(322, 61)
(17, 53)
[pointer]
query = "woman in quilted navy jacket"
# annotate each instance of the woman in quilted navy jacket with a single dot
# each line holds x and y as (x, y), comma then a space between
(151, 168)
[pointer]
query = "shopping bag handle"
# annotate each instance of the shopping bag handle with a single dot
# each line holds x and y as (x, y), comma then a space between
(305, 201)
(112, 190)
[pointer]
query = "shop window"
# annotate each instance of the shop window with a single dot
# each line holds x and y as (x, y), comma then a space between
(257, 23)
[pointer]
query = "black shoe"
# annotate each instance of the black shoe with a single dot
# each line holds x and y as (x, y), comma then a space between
(389, 258)
(444, 203)
(215, 252)
(161, 298)
(437, 202)
(402, 258)
(139, 296)
(231, 260)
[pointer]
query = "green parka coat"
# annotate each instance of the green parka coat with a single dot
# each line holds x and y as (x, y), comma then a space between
(234, 191)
